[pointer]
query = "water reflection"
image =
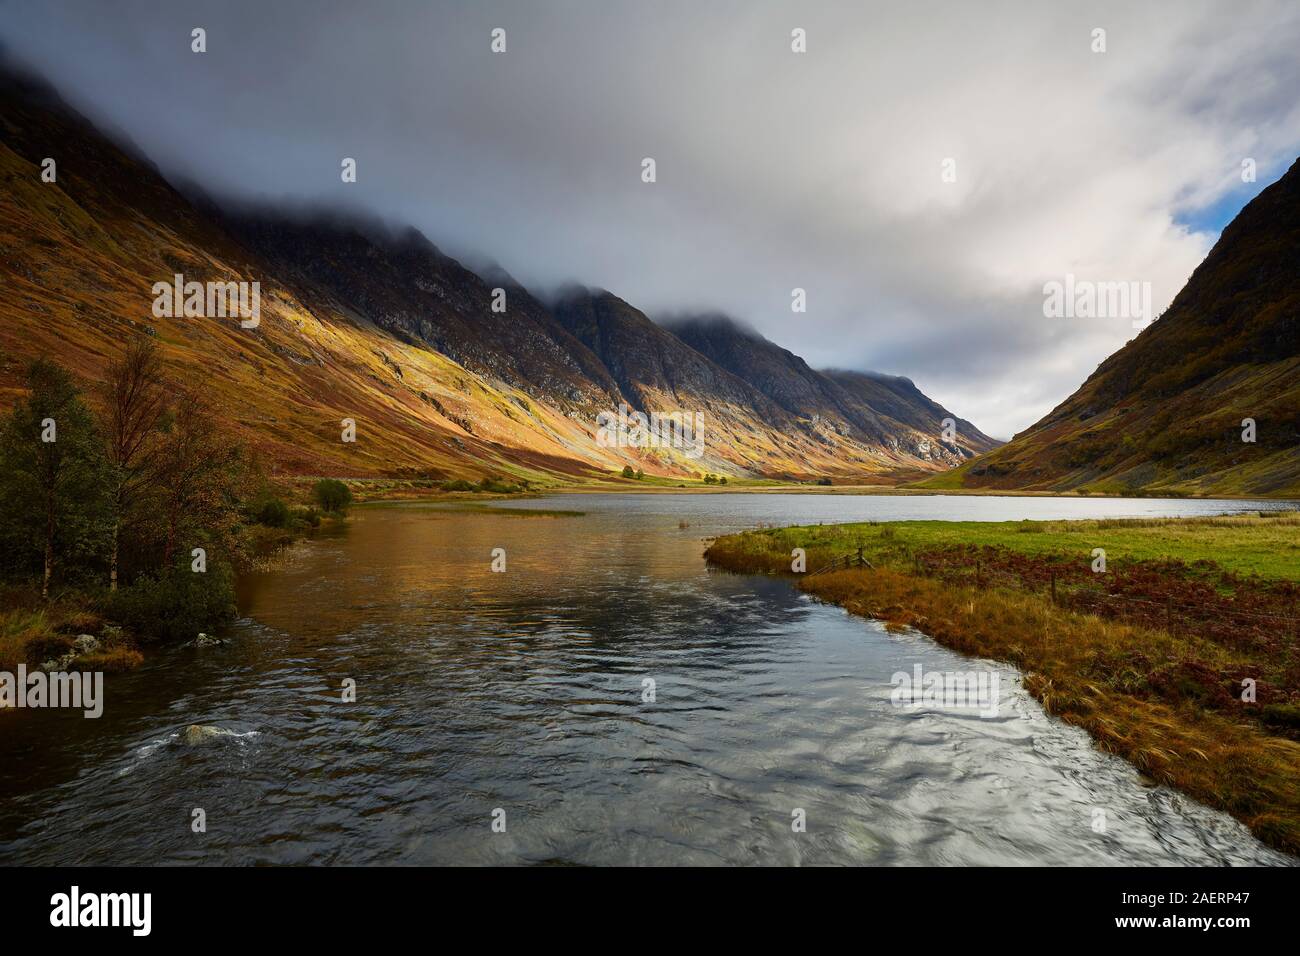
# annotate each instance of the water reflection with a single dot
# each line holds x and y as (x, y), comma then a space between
(524, 691)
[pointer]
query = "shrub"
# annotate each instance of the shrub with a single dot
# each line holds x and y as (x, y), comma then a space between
(823, 481)
(81, 621)
(460, 484)
(1282, 715)
(498, 486)
(332, 495)
(628, 472)
(176, 604)
(271, 511)
(44, 647)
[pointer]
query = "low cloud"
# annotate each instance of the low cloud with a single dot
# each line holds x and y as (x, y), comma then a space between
(776, 170)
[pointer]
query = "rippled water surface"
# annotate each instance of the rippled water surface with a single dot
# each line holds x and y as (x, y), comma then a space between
(523, 691)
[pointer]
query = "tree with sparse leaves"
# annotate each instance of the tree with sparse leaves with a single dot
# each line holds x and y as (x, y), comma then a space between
(135, 402)
(200, 474)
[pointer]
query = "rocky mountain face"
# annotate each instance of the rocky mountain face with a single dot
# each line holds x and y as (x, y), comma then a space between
(1175, 409)
(885, 412)
(743, 432)
(900, 405)
(406, 286)
(80, 256)
(446, 373)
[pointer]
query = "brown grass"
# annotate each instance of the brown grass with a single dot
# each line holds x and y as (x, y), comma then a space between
(32, 632)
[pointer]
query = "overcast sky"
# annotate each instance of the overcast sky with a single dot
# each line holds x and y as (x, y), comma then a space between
(776, 170)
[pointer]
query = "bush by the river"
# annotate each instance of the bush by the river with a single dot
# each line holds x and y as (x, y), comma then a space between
(175, 604)
(332, 495)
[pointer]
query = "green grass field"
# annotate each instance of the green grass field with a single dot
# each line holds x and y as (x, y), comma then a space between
(1242, 544)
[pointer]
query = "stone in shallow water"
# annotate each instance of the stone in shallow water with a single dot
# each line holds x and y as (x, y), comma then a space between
(204, 640)
(196, 734)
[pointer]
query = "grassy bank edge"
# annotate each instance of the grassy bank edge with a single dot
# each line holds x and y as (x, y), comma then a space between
(1224, 763)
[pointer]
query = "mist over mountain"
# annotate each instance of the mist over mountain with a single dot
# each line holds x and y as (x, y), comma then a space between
(447, 371)
(776, 170)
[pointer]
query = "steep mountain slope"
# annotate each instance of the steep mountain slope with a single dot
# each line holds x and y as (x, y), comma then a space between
(1166, 411)
(881, 411)
(782, 376)
(78, 261)
(659, 374)
(378, 326)
(746, 426)
(895, 398)
(406, 286)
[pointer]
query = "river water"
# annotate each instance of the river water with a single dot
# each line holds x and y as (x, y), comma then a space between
(520, 697)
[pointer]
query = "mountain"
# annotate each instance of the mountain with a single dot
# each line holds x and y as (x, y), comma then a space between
(886, 412)
(1165, 413)
(78, 261)
(407, 287)
(446, 372)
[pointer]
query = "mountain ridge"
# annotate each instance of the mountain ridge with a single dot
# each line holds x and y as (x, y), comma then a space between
(851, 401)
(367, 321)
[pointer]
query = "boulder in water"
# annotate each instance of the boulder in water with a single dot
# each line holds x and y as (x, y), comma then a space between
(196, 734)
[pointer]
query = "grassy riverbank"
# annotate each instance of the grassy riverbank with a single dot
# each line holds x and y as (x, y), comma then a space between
(34, 633)
(1148, 656)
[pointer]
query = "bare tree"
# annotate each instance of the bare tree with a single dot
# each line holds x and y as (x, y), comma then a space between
(135, 393)
(200, 472)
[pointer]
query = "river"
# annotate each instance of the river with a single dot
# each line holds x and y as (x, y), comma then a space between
(521, 697)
